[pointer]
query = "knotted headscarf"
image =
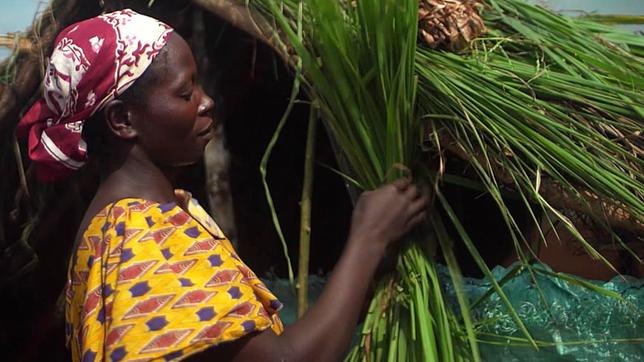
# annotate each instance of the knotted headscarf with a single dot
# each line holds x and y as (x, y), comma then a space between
(93, 62)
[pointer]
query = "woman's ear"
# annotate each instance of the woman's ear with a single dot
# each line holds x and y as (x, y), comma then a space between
(118, 117)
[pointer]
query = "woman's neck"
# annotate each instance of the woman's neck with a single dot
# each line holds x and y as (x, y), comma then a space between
(129, 173)
(136, 175)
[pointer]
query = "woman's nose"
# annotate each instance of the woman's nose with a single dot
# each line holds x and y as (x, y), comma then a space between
(206, 106)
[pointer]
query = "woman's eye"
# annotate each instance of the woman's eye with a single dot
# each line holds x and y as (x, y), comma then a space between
(187, 96)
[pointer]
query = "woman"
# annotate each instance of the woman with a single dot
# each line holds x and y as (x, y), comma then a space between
(152, 276)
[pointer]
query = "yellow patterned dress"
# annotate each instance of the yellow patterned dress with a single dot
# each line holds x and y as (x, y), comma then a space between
(151, 281)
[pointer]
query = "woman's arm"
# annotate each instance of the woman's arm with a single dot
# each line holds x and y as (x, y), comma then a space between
(325, 331)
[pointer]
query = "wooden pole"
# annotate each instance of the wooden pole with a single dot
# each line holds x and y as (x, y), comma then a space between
(305, 215)
(15, 41)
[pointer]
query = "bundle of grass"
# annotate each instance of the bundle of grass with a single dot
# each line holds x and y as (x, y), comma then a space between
(358, 64)
(543, 105)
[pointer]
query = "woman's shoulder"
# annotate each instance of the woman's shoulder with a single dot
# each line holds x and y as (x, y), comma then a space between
(133, 217)
(116, 214)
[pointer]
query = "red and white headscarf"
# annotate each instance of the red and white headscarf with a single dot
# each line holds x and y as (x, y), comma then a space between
(93, 62)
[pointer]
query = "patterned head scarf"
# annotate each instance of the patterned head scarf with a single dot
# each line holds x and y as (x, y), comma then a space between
(93, 62)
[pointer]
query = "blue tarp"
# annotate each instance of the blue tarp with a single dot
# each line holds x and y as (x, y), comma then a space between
(570, 321)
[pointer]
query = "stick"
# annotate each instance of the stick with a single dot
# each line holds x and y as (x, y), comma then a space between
(305, 215)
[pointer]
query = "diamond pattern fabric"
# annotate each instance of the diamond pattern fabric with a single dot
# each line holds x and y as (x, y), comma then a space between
(153, 281)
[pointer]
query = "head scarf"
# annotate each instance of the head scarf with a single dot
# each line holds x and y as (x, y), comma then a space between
(93, 62)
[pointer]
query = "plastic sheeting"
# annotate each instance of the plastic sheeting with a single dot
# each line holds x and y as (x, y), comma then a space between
(569, 321)
(572, 322)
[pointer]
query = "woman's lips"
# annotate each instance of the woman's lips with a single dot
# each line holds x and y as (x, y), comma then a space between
(206, 130)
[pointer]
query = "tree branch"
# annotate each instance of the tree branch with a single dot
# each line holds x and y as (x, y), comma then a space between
(249, 21)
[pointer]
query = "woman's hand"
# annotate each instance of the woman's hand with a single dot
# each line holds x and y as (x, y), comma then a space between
(384, 215)
(324, 333)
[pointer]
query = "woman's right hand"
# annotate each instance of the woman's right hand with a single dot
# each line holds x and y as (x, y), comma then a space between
(324, 333)
(384, 215)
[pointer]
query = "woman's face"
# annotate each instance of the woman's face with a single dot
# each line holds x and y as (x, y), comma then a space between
(174, 122)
